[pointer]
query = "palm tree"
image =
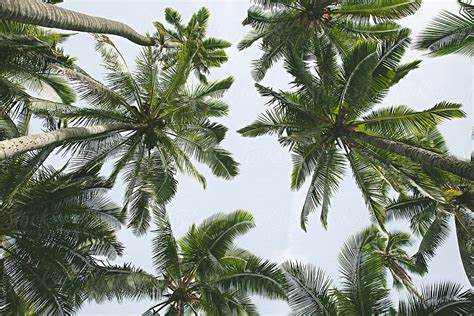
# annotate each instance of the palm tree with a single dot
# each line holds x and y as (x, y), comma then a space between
(190, 39)
(26, 55)
(450, 33)
(329, 122)
(149, 120)
(363, 288)
(54, 227)
(430, 216)
(280, 24)
(204, 271)
(42, 13)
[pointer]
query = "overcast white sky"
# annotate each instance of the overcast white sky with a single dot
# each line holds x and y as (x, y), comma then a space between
(263, 184)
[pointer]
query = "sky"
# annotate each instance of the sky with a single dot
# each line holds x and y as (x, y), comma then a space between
(262, 187)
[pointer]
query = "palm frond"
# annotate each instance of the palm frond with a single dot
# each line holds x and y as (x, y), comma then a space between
(309, 290)
(435, 235)
(445, 298)
(379, 10)
(363, 289)
(253, 276)
(449, 33)
(397, 120)
(211, 240)
(164, 246)
(328, 170)
(464, 222)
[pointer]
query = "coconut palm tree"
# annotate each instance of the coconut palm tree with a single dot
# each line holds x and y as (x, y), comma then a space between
(280, 24)
(26, 55)
(204, 271)
(363, 288)
(329, 121)
(450, 33)
(430, 218)
(190, 39)
(45, 14)
(54, 227)
(149, 120)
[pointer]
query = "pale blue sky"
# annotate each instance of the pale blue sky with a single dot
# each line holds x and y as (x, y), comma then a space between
(263, 184)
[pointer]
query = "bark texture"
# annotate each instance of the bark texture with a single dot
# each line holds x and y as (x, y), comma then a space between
(15, 146)
(39, 13)
(451, 164)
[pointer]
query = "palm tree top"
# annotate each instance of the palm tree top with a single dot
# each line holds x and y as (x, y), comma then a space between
(55, 227)
(363, 288)
(204, 271)
(167, 124)
(149, 120)
(281, 24)
(332, 105)
(205, 52)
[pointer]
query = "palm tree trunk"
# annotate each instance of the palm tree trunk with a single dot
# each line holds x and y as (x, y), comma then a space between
(15, 146)
(39, 13)
(448, 163)
(180, 309)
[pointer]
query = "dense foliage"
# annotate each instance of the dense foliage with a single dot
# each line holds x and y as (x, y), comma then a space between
(204, 271)
(363, 288)
(56, 229)
(146, 124)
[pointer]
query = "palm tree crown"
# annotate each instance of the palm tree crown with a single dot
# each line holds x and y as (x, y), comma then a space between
(55, 227)
(205, 52)
(151, 121)
(329, 122)
(204, 271)
(281, 24)
(363, 287)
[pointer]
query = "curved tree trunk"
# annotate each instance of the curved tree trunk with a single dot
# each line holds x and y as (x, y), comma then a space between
(39, 13)
(15, 146)
(451, 164)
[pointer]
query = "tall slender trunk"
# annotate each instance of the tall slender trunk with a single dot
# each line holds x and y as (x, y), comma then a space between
(15, 146)
(39, 13)
(448, 163)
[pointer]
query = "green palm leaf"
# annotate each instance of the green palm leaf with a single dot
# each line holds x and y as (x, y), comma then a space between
(445, 298)
(308, 290)
(449, 33)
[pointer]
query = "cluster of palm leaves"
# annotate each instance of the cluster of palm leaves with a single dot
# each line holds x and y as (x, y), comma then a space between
(27, 52)
(56, 230)
(363, 288)
(332, 120)
(151, 121)
(450, 33)
(204, 271)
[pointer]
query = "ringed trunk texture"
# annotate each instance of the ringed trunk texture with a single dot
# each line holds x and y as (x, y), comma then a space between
(39, 13)
(448, 163)
(19, 145)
